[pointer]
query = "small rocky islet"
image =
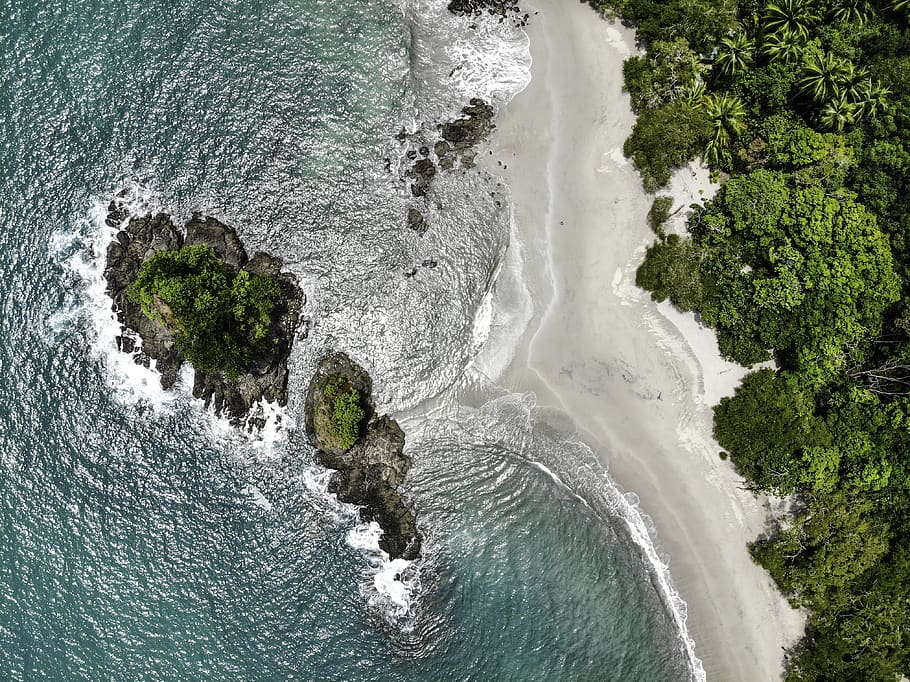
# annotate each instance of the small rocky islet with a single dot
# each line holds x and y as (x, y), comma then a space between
(369, 472)
(368, 468)
(266, 375)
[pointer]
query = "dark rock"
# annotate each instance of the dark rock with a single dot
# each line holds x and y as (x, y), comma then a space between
(423, 173)
(416, 221)
(266, 377)
(459, 139)
(497, 8)
(369, 473)
(223, 240)
(442, 149)
(473, 128)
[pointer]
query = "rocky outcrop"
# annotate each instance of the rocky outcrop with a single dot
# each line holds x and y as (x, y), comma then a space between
(369, 473)
(473, 127)
(266, 377)
(423, 172)
(504, 9)
(458, 145)
(416, 221)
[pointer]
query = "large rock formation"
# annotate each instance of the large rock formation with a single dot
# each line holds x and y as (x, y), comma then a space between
(504, 9)
(369, 473)
(267, 375)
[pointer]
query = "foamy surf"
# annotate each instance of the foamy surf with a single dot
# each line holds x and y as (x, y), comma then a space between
(390, 587)
(457, 58)
(82, 253)
(514, 424)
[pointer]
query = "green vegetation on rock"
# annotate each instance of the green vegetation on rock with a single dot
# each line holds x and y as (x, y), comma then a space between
(803, 257)
(345, 413)
(221, 317)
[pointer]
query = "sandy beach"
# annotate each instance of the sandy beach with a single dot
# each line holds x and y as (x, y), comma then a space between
(637, 378)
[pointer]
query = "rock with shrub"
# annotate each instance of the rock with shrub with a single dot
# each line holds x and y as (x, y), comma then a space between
(194, 295)
(365, 450)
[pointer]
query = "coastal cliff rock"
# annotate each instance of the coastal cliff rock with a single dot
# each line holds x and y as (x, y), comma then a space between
(369, 472)
(266, 377)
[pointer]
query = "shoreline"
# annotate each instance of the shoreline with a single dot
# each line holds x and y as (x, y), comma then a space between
(637, 378)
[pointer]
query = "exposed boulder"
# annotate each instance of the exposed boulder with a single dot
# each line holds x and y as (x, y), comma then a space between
(423, 172)
(504, 9)
(416, 221)
(476, 124)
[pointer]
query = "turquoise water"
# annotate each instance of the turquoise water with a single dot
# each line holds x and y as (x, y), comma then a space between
(141, 541)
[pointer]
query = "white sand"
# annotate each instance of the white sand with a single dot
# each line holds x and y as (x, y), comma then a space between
(639, 379)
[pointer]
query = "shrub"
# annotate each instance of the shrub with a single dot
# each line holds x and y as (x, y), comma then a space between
(220, 317)
(666, 138)
(346, 414)
(659, 213)
(671, 269)
(669, 69)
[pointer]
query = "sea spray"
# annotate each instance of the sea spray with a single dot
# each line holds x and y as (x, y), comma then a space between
(82, 252)
(391, 588)
(456, 58)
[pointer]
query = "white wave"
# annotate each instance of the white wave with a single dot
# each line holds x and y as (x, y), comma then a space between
(513, 423)
(82, 252)
(643, 533)
(494, 63)
(483, 320)
(456, 58)
(510, 311)
(390, 585)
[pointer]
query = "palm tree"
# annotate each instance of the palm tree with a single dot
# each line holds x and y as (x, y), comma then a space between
(735, 53)
(693, 94)
(795, 16)
(870, 98)
(899, 6)
(726, 111)
(824, 74)
(782, 45)
(857, 11)
(717, 153)
(839, 112)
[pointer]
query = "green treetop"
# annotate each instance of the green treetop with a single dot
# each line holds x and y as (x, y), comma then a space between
(345, 413)
(221, 317)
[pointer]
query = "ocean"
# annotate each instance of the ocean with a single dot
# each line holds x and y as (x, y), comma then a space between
(144, 538)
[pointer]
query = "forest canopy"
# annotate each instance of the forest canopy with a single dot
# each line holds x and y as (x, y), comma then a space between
(802, 109)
